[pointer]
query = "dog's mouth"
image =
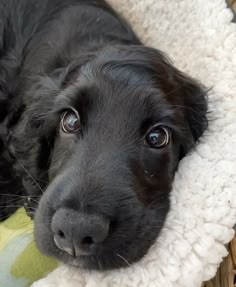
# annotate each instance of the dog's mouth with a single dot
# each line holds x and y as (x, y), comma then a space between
(105, 257)
(122, 248)
(99, 262)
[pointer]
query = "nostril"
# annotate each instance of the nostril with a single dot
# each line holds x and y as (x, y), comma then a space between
(61, 234)
(88, 240)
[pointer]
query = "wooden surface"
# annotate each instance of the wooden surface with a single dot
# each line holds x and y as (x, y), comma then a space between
(232, 3)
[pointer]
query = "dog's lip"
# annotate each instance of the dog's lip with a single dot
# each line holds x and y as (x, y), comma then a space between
(73, 258)
(74, 254)
(81, 261)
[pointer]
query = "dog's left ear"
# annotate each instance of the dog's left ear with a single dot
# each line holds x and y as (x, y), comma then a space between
(188, 95)
(194, 101)
(190, 98)
(195, 104)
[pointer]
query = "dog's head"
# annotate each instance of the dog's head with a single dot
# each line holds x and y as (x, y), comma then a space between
(107, 134)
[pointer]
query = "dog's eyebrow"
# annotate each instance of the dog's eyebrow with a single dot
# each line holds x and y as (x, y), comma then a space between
(160, 111)
(158, 106)
(66, 98)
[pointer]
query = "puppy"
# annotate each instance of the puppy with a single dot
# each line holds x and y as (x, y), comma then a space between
(93, 125)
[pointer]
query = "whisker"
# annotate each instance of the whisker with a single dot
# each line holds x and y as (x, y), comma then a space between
(11, 206)
(18, 195)
(12, 195)
(12, 200)
(125, 260)
(34, 200)
(30, 175)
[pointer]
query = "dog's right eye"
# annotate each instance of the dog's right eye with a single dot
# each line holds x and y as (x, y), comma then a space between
(70, 121)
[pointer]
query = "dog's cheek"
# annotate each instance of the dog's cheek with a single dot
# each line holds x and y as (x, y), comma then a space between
(153, 175)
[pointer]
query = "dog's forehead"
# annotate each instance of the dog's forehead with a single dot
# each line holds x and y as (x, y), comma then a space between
(119, 99)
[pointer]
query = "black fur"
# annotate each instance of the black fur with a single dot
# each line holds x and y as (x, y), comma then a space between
(57, 54)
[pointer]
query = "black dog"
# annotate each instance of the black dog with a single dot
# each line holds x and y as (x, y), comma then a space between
(93, 124)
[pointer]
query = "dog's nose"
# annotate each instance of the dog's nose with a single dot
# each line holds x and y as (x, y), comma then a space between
(78, 233)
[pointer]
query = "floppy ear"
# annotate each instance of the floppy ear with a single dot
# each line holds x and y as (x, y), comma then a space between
(191, 98)
(194, 98)
(195, 102)
(184, 92)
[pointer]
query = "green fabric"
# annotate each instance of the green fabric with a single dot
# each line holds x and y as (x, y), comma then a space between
(20, 261)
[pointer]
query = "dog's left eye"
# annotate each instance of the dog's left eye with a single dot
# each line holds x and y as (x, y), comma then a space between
(70, 121)
(158, 137)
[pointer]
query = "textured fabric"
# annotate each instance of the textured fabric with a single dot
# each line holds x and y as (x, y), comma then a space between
(201, 40)
(20, 262)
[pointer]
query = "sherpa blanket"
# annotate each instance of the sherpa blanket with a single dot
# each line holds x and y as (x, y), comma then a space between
(201, 40)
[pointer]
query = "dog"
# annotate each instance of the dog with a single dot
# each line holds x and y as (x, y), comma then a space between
(93, 125)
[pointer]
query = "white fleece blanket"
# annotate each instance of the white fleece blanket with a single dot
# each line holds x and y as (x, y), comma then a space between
(201, 40)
